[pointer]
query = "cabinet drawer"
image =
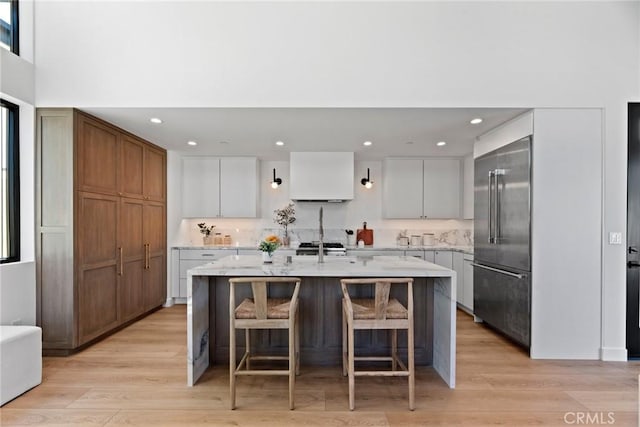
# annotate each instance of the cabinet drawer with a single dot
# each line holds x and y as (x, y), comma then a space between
(206, 254)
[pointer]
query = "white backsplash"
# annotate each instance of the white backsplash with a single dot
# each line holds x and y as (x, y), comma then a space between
(250, 232)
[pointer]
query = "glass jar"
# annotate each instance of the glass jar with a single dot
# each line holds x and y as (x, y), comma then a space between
(227, 240)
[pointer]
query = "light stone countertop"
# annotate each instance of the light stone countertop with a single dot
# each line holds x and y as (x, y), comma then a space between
(463, 249)
(308, 266)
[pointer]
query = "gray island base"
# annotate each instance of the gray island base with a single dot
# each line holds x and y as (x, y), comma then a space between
(320, 315)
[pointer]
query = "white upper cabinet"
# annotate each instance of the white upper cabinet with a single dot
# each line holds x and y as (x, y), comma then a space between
(200, 187)
(219, 187)
(402, 188)
(442, 188)
(421, 188)
(239, 187)
(467, 188)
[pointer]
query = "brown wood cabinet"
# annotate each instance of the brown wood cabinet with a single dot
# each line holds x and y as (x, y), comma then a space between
(101, 251)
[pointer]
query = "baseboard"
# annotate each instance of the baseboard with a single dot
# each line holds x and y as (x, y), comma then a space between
(610, 354)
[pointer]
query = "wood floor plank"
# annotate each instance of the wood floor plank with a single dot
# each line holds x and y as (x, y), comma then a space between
(271, 418)
(54, 417)
(138, 377)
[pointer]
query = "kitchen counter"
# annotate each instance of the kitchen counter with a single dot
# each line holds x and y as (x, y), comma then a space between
(320, 296)
(463, 249)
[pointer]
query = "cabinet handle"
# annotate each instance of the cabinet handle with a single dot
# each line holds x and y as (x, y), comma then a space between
(147, 255)
(120, 270)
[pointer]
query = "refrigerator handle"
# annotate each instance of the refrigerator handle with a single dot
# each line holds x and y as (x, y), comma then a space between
(497, 270)
(491, 201)
(498, 209)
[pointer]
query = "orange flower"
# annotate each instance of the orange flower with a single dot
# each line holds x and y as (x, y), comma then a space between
(272, 239)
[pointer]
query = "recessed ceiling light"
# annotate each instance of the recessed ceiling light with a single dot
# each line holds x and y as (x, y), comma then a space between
(155, 120)
(279, 143)
(367, 143)
(476, 121)
(441, 143)
(410, 142)
(192, 143)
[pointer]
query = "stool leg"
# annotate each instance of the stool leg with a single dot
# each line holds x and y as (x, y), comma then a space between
(232, 366)
(247, 344)
(394, 349)
(351, 367)
(297, 328)
(292, 361)
(344, 345)
(412, 370)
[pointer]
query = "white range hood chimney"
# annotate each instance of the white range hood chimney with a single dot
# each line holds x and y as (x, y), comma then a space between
(321, 176)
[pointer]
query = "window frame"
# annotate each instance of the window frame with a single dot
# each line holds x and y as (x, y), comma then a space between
(15, 26)
(13, 180)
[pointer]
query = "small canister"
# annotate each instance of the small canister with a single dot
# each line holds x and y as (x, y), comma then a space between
(416, 240)
(428, 239)
(403, 241)
(227, 240)
(217, 239)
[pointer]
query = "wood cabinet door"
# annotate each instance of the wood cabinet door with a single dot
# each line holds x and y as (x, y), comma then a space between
(402, 188)
(442, 188)
(155, 283)
(97, 156)
(131, 269)
(132, 161)
(97, 267)
(155, 167)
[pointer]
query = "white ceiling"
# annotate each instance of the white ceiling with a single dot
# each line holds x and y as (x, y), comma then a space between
(254, 131)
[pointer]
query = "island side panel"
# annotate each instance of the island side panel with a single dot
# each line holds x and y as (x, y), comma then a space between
(444, 329)
(197, 327)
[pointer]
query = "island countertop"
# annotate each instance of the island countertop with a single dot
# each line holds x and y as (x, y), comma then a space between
(333, 266)
(320, 295)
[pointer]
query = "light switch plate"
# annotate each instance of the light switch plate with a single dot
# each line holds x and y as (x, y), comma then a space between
(615, 238)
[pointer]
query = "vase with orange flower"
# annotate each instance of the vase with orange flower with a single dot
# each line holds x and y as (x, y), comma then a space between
(268, 246)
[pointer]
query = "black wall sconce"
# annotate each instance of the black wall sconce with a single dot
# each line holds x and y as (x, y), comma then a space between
(276, 181)
(367, 181)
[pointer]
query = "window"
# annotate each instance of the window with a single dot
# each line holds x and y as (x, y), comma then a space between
(9, 25)
(9, 183)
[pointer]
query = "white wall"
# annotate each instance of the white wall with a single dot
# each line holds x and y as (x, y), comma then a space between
(17, 280)
(377, 54)
(566, 234)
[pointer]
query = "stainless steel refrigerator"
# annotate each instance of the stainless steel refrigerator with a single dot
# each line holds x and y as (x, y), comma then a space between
(502, 240)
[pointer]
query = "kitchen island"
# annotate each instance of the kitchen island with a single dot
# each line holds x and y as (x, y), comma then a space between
(320, 309)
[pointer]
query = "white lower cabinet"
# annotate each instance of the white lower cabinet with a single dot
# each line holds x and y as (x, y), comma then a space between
(183, 260)
(374, 252)
(468, 282)
(458, 267)
(444, 258)
(430, 256)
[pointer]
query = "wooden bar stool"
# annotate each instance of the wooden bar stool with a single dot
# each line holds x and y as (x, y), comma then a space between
(380, 312)
(262, 312)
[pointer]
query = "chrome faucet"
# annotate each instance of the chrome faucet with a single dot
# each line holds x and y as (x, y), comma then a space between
(321, 243)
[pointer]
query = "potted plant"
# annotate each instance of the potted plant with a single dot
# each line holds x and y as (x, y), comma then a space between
(205, 229)
(268, 246)
(284, 217)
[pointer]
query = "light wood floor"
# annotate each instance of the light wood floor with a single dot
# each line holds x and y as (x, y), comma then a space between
(138, 377)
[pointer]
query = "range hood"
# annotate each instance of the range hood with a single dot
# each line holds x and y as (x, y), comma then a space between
(321, 176)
